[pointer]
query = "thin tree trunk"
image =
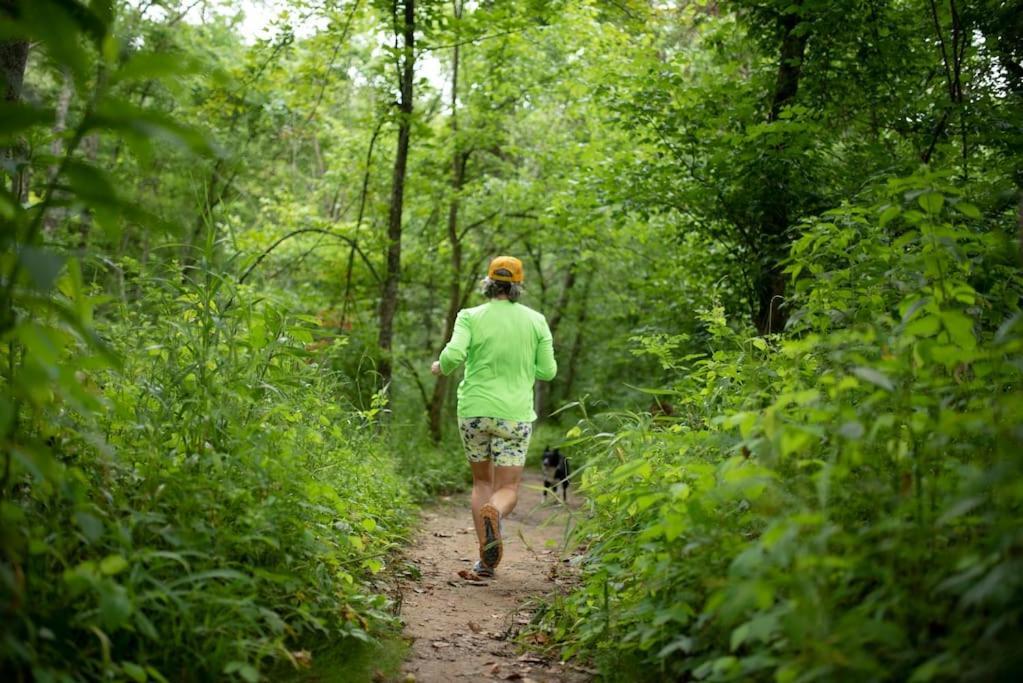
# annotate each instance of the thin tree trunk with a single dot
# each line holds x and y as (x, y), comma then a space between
(543, 389)
(358, 223)
(770, 284)
(577, 345)
(458, 162)
(52, 218)
(389, 293)
(13, 60)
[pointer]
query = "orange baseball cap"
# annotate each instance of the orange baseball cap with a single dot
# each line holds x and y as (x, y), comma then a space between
(505, 269)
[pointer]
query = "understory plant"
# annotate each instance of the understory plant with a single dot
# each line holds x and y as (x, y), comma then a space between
(208, 506)
(838, 502)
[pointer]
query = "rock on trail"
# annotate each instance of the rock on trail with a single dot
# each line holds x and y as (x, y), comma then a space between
(462, 630)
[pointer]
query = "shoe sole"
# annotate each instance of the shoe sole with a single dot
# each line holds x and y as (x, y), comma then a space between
(493, 549)
(483, 571)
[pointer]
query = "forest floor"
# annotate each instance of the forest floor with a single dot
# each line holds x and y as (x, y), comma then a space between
(463, 630)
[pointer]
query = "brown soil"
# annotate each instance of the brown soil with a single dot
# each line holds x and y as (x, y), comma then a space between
(463, 631)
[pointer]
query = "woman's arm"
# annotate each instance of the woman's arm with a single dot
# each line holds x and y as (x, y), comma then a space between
(546, 366)
(454, 353)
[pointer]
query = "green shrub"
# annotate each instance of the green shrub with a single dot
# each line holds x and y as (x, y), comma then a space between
(215, 507)
(841, 502)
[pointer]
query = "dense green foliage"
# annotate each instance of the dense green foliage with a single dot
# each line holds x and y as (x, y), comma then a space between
(777, 242)
(839, 503)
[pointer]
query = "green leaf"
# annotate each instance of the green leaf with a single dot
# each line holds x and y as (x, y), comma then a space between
(42, 266)
(924, 326)
(967, 209)
(794, 440)
(739, 636)
(369, 524)
(852, 430)
(145, 626)
(931, 202)
(134, 671)
(960, 328)
(155, 674)
(154, 65)
(113, 564)
(873, 376)
(247, 672)
(90, 525)
(888, 214)
(114, 606)
(127, 118)
(16, 118)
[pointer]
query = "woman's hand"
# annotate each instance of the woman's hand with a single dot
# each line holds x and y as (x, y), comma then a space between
(435, 368)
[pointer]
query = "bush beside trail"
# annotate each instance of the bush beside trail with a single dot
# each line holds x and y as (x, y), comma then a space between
(209, 507)
(840, 502)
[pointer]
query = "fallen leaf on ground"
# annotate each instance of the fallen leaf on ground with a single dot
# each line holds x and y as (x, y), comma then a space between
(471, 578)
(440, 643)
(474, 627)
(441, 534)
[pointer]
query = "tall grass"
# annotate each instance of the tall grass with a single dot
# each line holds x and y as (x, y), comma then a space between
(219, 508)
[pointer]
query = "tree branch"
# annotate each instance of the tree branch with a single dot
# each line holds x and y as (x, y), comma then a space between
(300, 231)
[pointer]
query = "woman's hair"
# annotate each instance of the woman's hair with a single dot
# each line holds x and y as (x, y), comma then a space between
(495, 288)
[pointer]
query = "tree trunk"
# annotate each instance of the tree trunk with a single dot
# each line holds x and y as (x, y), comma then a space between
(770, 284)
(13, 59)
(52, 217)
(389, 294)
(577, 345)
(458, 162)
(543, 389)
(358, 223)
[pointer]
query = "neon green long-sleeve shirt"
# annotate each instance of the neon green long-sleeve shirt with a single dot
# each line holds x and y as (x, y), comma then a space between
(506, 347)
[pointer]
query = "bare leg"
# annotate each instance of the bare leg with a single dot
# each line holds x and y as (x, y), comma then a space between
(505, 489)
(482, 490)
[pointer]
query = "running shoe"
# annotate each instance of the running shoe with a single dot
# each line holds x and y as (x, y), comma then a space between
(492, 549)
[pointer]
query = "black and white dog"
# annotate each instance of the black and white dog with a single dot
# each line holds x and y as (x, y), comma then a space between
(555, 471)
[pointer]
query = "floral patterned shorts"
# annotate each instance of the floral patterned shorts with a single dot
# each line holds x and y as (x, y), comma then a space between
(491, 438)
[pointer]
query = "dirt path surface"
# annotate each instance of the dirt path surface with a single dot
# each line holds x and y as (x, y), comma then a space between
(463, 631)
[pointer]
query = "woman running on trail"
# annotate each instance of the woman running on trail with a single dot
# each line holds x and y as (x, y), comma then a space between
(506, 347)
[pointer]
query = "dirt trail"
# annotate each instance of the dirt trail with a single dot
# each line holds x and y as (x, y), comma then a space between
(462, 631)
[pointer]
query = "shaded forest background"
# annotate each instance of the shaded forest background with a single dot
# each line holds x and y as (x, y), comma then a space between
(777, 242)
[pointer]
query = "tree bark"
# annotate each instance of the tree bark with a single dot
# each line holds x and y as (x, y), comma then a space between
(52, 218)
(389, 293)
(577, 345)
(13, 60)
(770, 283)
(13, 57)
(543, 389)
(358, 224)
(458, 162)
